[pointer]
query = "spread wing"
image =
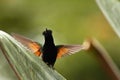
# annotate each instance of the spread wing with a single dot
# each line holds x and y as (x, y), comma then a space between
(64, 50)
(33, 46)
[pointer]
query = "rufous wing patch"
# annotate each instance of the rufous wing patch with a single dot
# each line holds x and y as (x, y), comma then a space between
(36, 49)
(64, 50)
(32, 45)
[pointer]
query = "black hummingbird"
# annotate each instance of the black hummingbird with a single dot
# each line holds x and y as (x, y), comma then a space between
(49, 51)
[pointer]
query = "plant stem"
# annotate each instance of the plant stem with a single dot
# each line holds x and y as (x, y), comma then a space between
(104, 59)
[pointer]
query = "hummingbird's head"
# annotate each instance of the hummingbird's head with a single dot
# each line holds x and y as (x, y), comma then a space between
(48, 37)
(47, 32)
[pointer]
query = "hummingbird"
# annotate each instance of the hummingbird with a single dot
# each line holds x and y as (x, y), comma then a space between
(49, 52)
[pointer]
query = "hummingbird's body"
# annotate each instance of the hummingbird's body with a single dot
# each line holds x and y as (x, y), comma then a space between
(49, 51)
(48, 48)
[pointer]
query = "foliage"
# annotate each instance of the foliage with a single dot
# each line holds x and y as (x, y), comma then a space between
(111, 10)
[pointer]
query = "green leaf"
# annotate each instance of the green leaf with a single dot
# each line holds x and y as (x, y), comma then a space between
(24, 63)
(111, 10)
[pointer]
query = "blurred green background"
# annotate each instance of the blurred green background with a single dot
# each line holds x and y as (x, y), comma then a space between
(72, 21)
